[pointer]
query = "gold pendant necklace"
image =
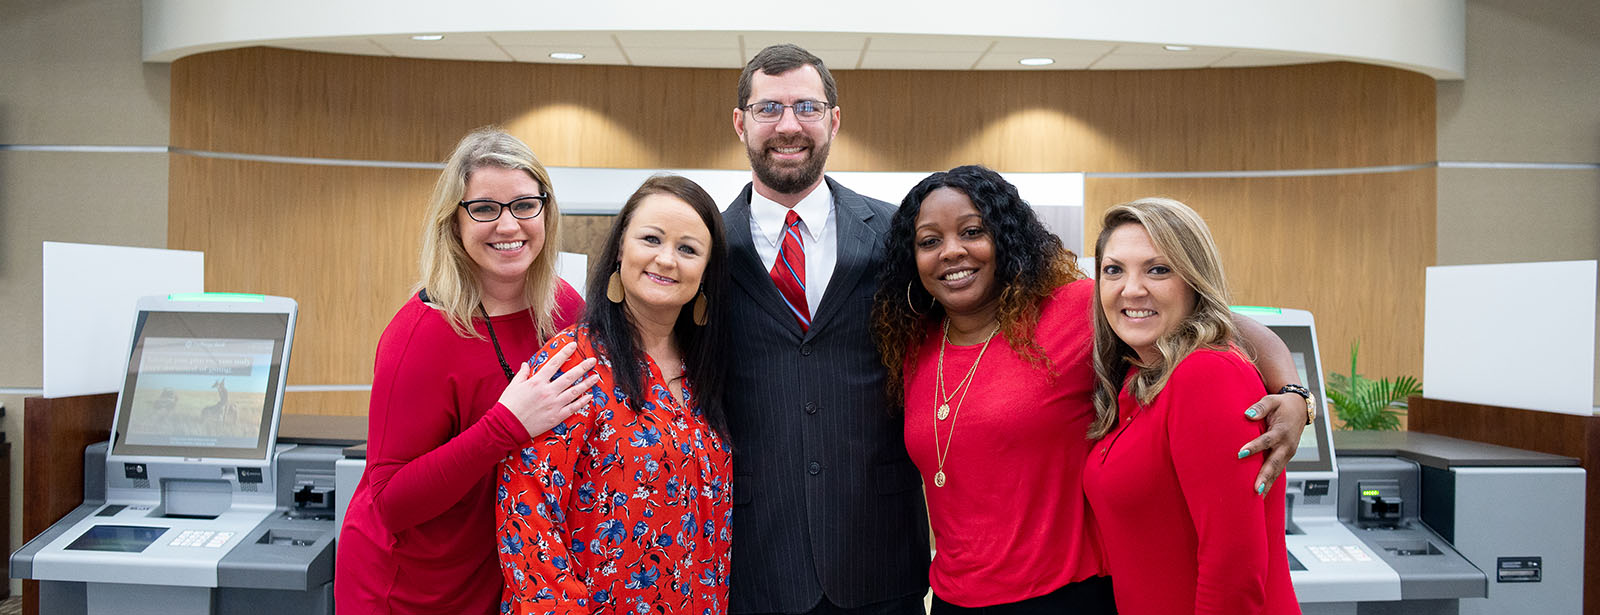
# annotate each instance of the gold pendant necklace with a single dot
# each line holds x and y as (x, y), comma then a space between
(944, 406)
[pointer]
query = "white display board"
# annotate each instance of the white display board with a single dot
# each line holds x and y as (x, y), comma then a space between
(1057, 197)
(89, 297)
(574, 268)
(1518, 335)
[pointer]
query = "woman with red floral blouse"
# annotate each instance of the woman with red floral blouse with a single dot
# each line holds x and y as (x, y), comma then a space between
(625, 507)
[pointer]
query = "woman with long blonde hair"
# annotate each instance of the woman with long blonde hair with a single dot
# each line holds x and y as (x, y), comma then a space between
(446, 404)
(1179, 535)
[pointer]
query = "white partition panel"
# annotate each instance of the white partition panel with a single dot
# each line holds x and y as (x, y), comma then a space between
(1518, 335)
(89, 297)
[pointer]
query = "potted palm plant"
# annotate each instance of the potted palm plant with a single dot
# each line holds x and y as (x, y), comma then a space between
(1364, 403)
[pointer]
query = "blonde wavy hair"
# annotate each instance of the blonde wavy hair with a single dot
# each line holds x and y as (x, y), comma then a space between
(1182, 236)
(448, 273)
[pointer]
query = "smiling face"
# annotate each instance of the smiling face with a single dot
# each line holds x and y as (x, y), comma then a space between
(664, 252)
(505, 248)
(787, 155)
(955, 257)
(1143, 297)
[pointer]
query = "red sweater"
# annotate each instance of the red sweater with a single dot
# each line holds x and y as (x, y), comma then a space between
(419, 534)
(1011, 521)
(1183, 531)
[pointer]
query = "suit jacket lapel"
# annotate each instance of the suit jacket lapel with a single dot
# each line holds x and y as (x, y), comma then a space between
(745, 264)
(855, 243)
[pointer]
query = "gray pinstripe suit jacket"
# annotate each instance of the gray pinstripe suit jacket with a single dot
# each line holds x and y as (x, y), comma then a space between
(826, 500)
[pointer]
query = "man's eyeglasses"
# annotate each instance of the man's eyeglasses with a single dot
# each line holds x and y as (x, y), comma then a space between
(805, 111)
(488, 210)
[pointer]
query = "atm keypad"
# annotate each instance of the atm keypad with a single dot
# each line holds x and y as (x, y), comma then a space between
(201, 538)
(1338, 553)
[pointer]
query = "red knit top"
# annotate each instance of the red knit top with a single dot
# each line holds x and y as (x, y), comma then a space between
(1183, 531)
(1011, 521)
(419, 533)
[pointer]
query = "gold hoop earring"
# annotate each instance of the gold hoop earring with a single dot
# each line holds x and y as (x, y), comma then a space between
(701, 304)
(614, 287)
(913, 306)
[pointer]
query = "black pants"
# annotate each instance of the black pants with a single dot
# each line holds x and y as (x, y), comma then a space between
(1091, 596)
(909, 605)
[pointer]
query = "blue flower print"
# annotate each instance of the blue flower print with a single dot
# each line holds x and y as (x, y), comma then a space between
(511, 544)
(672, 487)
(684, 448)
(560, 429)
(576, 547)
(649, 436)
(651, 466)
(642, 608)
(612, 530)
(619, 499)
(557, 479)
(645, 577)
(505, 607)
(639, 529)
(602, 596)
(500, 493)
(544, 594)
(689, 523)
(523, 510)
(529, 456)
(559, 562)
(586, 494)
(708, 577)
(664, 540)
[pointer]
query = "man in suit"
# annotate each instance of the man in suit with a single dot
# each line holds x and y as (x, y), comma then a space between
(828, 510)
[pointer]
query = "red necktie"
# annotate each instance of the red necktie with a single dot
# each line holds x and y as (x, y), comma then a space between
(789, 272)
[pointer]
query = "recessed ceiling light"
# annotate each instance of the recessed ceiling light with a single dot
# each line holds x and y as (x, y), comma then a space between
(566, 55)
(1036, 61)
(428, 37)
(1179, 48)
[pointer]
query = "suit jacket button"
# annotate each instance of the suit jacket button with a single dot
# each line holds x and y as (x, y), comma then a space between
(811, 407)
(805, 350)
(814, 468)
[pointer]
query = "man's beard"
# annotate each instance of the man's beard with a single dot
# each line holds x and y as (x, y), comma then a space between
(789, 179)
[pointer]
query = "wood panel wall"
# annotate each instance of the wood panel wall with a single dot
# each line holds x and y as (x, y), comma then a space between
(343, 240)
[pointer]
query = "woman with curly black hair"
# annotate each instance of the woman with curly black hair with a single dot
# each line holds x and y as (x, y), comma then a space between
(1000, 436)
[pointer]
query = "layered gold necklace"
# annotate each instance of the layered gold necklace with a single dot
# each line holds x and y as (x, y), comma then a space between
(940, 397)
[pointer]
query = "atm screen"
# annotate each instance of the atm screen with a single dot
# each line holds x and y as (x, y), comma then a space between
(123, 538)
(201, 384)
(1314, 441)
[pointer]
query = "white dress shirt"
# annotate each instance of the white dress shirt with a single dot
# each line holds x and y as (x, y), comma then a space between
(816, 227)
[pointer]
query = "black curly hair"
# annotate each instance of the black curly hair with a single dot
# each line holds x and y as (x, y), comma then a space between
(1030, 263)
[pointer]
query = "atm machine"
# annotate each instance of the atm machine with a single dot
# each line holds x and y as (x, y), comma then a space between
(193, 507)
(1352, 548)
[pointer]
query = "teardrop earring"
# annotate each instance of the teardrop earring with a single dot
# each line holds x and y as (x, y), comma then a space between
(701, 304)
(614, 287)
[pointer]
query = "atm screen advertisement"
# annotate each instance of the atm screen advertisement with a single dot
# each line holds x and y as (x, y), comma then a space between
(201, 384)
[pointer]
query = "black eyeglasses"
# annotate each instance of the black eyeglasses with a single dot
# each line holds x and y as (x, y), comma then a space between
(488, 210)
(805, 111)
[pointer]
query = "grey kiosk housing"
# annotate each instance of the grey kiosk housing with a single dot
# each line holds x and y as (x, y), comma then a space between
(194, 507)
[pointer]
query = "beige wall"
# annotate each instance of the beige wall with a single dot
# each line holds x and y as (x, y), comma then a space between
(72, 75)
(1533, 79)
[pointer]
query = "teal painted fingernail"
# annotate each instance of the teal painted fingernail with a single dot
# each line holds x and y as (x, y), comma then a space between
(1244, 452)
(1250, 413)
(1261, 488)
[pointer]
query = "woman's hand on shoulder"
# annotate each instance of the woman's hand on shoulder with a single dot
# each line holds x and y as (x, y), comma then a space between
(541, 400)
(1285, 414)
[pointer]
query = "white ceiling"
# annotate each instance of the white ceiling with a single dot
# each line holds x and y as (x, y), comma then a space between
(721, 49)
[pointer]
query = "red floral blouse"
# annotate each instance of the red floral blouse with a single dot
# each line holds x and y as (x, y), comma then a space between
(617, 510)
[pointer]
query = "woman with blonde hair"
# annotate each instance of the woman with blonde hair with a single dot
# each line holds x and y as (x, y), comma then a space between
(1178, 536)
(446, 405)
